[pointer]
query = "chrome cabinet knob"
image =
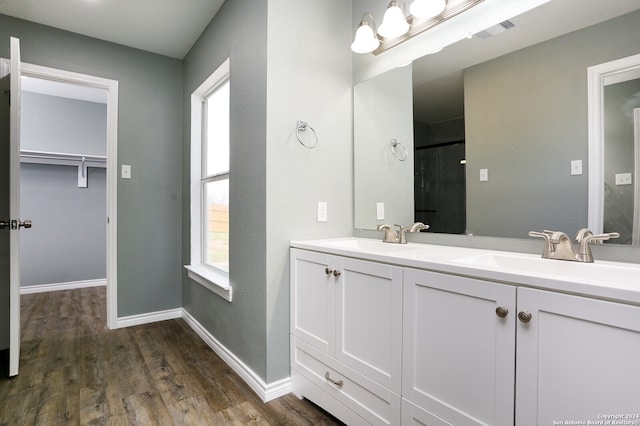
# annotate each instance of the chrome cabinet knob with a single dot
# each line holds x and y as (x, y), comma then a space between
(337, 273)
(524, 316)
(328, 271)
(502, 312)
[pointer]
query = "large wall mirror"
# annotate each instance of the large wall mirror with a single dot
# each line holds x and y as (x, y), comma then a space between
(500, 131)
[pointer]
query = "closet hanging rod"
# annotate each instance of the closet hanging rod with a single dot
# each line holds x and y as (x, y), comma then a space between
(60, 156)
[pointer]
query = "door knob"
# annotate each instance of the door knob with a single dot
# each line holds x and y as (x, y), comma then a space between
(24, 223)
(502, 312)
(15, 224)
(524, 316)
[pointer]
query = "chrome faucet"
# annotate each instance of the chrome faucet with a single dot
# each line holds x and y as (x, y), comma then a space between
(399, 237)
(559, 246)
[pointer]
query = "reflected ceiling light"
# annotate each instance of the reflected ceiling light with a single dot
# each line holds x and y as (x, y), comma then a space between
(424, 9)
(394, 23)
(366, 40)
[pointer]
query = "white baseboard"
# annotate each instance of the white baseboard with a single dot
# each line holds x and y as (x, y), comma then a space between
(42, 288)
(149, 317)
(266, 392)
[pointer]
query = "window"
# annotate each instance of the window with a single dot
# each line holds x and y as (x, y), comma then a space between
(210, 171)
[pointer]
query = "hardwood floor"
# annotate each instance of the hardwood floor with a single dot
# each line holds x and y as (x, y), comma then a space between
(73, 370)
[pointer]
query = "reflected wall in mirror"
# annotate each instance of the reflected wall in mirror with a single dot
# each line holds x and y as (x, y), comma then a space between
(614, 148)
(522, 96)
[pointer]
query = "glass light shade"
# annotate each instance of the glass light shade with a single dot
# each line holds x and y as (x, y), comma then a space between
(365, 40)
(424, 9)
(394, 23)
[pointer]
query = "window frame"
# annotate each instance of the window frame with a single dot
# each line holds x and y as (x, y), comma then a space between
(212, 278)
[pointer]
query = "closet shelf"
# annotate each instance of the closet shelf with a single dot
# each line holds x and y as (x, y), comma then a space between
(81, 161)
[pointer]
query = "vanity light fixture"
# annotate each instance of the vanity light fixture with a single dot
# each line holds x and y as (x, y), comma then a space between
(397, 27)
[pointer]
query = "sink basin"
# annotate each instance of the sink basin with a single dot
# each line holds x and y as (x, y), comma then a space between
(597, 272)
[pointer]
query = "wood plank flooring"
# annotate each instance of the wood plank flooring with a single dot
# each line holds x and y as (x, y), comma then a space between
(73, 370)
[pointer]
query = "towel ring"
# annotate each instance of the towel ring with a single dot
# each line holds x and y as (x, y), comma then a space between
(402, 156)
(301, 126)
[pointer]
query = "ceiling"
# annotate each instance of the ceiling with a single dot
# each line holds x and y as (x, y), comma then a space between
(165, 27)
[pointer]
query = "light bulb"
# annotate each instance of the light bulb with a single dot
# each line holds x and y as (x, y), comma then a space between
(424, 9)
(365, 40)
(394, 23)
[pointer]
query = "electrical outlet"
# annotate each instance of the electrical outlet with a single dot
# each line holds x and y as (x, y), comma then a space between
(379, 211)
(322, 211)
(623, 179)
(484, 175)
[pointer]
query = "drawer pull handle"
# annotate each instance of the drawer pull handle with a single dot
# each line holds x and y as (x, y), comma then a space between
(524, 316)
(328, 271)
(502, 312)
(336, 273)
(338, 383)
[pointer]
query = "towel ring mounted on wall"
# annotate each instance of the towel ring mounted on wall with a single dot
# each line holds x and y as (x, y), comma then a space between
(402, 155)
(301, 126)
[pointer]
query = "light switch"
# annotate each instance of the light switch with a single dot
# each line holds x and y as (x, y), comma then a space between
(379, 211)
(576, 167)
(126, 171)
(484, 175)
(322, 211)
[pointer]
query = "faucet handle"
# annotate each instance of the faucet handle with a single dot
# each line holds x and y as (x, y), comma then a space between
(584, 251)
(582, 234)
(416, 227)
(548, 246)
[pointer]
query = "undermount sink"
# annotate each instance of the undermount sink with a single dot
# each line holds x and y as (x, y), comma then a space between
(599, 271)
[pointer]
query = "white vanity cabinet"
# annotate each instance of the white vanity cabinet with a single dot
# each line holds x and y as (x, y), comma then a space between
(433, 335)
(346, 331)
(459, 355)
(578, 359)
(574, 358)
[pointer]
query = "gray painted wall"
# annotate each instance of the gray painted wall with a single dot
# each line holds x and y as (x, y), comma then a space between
(68, 240)
(149, 139)
(237, 32)
(309, 78)
(526, 119)
(275, 183)
(55, 124)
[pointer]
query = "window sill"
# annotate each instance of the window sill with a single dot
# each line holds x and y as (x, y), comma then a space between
(212, 280)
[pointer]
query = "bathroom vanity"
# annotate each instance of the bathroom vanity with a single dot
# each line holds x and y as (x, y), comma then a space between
(424, 334)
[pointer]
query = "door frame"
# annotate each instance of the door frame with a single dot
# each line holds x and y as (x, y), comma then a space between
(111, 86)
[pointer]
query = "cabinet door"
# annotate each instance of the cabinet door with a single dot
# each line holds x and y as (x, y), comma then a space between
(313, 299)
(578, 360)
(459, 356)
(369, 320)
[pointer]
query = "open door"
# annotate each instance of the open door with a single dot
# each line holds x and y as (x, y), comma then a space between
(14, 223)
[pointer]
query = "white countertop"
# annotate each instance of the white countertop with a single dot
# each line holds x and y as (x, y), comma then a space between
(616, 281)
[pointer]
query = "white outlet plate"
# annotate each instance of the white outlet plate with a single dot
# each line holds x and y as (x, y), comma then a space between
(322, 211)
(484, 175)
(126, 171)
(623, 179)
(576, 167)
(379, 211)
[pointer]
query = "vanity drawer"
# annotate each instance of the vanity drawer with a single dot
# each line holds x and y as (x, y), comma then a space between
(374, 403)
